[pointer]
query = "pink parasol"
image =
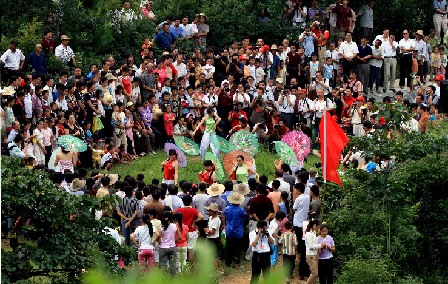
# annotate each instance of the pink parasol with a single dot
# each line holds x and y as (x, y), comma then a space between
(299, 142)
(181, 159)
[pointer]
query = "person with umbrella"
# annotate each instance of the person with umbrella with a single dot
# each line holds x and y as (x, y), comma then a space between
(66, 160)
(211, 120)
(209, 175)
(240, 172)
(171, 168)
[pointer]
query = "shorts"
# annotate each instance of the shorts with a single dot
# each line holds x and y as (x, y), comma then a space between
(192, 238)
(106, 163)
(216, 244)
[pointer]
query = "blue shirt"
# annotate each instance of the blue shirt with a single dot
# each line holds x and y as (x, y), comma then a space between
(308, 45)
(235, 217)
(440, 5)
(37, 62)
(371, 167)
(225, 195)
(165, 40)
(176, 32)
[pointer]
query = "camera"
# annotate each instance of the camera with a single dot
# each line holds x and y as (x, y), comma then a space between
(265, 232)
(227, 89)
(217, 56)
(235, 108)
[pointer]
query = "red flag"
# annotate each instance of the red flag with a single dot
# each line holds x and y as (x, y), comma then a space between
(336, 141)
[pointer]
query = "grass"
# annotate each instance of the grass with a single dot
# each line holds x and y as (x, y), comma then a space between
(150, 166)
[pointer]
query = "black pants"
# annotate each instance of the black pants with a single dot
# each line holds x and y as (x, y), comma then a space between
(325, 271)
(233, 250)
(304, 270)
(288, 118)
(261, 262)
(405, 69)
(347, 66)
(289, 263)
(48, 149)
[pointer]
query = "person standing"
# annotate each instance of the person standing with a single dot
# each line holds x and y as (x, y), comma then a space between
(64, 52)
(13, 60)
(260, 241)
(286, 103)
(348, 51)
(37, 61)
(211, 120)
(235, 217)
(375, 65)
(312, 247)
(364, 56)
(439, 18)
(390, 62)
(407, 46)
(300, 209)
(128, 212)
(325, 261)
(366, 20)
(288, 240)
(143, 234)
(203, 30)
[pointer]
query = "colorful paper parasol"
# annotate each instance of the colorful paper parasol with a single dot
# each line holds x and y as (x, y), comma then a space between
(230, 160)
(188, 146)
(72, 143)
(182, 160)
(286, 153)
(221, 143)
(218, 166)
(299, 142)
(245, 141)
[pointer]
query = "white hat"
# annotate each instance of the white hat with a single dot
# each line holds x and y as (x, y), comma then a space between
(235, 198)
(215, 189)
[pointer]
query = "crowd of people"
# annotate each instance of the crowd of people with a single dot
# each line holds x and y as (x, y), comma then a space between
(131, 107)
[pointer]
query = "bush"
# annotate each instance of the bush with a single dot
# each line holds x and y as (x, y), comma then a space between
(366, 271)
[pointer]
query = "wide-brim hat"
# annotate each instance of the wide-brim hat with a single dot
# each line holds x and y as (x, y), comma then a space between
(241, 188)
(212, 207)
(235, 198)
(419, 32)
(201, 15)
(215, 189)
(274, 47)
(113, 178)
(7, 91)
(109, 76)
(78, 184)
(64, 37)
(108, 98)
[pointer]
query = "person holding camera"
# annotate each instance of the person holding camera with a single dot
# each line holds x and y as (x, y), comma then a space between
(321, 104)
(286, 104)
(241, 97)
(235, 115)
(308, 39)
(260, 240)
(234, 67)
(305, 107)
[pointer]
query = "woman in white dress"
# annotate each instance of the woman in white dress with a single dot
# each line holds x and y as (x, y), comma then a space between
(38, 144)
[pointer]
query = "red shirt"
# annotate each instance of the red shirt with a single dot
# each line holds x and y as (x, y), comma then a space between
(235, 117)
(349, 101)
(47, 47)
(169, 171)
(189, 215)
(343, 16)
(182, 242)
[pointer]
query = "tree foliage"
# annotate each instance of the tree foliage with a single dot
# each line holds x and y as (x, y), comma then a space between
(54, 232)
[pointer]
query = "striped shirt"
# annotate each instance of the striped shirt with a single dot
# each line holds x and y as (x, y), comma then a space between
(289, 243)
(129, 205)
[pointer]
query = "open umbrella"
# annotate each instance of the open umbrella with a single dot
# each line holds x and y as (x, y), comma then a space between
(221, 143)
(188, 146)
(230, 160)
(286, 153)
(218, 166)
(72, 143)
(181, 159)
(245, 141)
(299, 142)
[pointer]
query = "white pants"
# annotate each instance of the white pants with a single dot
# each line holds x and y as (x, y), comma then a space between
(166, 181)
(390, 71)
(39, 155)
(358, 130)
(440, 24)
(205, 142)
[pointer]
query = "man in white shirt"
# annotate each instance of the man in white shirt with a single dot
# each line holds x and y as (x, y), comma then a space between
(260, 241)
(407, 46)
(286, 103)
(348, 52)
(13, 59)
(333, 54)
(241, 97)
(64, 52)
(189, 30)
(389, 46)
(28, 103)
(420, 46)
(180, 66)
(284, 186)
(305, 107)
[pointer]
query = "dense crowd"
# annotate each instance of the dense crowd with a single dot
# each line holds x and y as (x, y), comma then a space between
(131, 107)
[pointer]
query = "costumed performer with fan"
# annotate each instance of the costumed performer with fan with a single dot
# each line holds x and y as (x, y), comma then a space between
(211, 120)
(209, 175)
(240, 172)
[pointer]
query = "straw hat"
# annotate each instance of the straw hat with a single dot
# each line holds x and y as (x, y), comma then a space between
(113, 178)
(274, 47)
(109, 76)
(215, 189)
(64, 37)
(241, 188)
(419, 32)
(201, 15)
(108, 98)
(235, 198)
(213, 207)
(7, 91)
(279, 80)
(78, 184)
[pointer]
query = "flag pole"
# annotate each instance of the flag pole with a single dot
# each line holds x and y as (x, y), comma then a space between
(325, 145)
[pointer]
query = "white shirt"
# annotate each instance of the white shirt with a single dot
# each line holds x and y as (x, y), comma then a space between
(240, 98)
(390, 50)
(189, 29)
(305, 105)
(208, 70)
(214, 223)
(301, 207)
(421, 47)
(311, 243)
(143, 237)
(181, 69)
(12, 59)
(348, 48)
(407, 44)
(263, 242)
(65, 53)
(259, 73)
(285, 107)
(207, 99)
(273, 229)
(377, 52)
(284, 186)
(319, 106)
(298, 18)
(28, 106)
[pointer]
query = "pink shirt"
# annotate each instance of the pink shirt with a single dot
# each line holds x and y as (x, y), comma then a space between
(169, 236)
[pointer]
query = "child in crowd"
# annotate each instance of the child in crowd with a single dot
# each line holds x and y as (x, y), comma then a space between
(443, 59)
(168, 119)
(124, 157)
(96, 155)
(325, 261)
(181, 243)
(289, 242)
(436, 63)
(314, 66)
(329, 70)
(212, 231)
(108, 160)
(197, 102)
